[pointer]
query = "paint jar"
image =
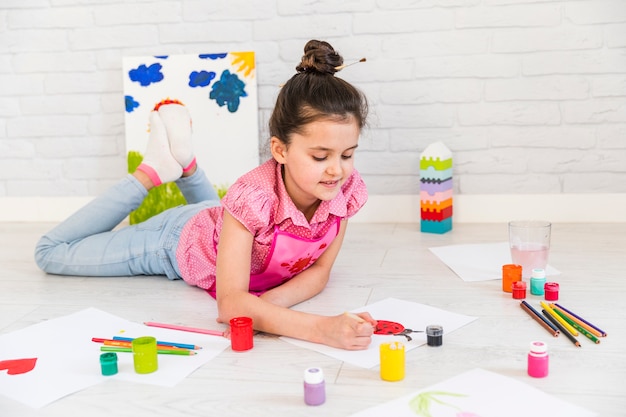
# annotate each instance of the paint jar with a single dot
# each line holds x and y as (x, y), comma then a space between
(314, 386)
(241, 334)
(551, 290)
(108, 363)
(510, 273)
(434, 335)
(519, 290)
(537, 281)
(392, 361)
(538, 360)
(145, 354)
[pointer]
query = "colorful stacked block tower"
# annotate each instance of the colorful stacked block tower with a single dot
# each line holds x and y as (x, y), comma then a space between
(436, 189)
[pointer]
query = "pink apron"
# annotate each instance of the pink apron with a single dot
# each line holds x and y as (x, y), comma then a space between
(289, 255)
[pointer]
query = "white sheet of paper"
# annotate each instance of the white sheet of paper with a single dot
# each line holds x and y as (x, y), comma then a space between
(411, 315)
(477, 393)
(68, 360)
(478, 262)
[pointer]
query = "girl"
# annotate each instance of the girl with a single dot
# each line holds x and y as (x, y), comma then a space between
(271, 242)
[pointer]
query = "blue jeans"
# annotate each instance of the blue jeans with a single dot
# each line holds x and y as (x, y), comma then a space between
(86, 245)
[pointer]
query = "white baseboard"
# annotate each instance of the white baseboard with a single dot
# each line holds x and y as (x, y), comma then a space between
(497, 208)
(485, 208)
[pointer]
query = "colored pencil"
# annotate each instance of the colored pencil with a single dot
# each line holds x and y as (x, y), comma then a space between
(604, 334)
(528, 306)
(561, 328)
(565, 324)
(127, 342)
(160, 342)
(121, 343)
(543, 322)
(578, 327)
(184, 328)
(589, 328)
(183, 352)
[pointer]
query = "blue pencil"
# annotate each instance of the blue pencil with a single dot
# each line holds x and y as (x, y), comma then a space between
(180, 345)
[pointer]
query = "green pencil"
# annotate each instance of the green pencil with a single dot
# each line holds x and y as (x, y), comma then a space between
(184, 352)
(578, 327)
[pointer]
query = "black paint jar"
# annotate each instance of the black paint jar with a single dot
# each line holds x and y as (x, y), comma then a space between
(434, 335)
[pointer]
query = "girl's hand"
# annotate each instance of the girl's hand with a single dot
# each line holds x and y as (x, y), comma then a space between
(349, 331)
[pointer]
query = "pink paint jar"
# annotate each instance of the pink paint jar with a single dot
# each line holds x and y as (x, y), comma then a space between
(519, 290)
(551, 291)
(538, 360)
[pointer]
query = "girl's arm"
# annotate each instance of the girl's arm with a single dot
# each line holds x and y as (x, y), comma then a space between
(233, 298)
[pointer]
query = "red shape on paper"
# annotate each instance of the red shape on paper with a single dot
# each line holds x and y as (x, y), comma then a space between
(388, 327)
(18, 366)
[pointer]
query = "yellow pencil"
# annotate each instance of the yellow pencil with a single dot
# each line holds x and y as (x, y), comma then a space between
(560, 319)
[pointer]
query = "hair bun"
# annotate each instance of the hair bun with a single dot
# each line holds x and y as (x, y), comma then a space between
(320, 57)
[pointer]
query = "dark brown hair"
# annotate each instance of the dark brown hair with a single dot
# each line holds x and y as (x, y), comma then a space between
(314, 93)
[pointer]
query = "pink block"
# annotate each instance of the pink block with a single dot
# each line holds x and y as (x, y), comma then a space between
(438, 197)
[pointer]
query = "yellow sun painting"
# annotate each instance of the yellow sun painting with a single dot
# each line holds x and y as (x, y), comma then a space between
(246, 59)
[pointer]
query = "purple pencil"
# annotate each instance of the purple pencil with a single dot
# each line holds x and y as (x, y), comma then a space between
(602, 332)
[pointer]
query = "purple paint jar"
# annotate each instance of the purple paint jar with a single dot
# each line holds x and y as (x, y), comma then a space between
(314, 386)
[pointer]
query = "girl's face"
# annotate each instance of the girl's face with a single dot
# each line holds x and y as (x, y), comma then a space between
(318, 161)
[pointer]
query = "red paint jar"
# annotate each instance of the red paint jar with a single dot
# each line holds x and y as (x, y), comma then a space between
(551, 291)
(519, 290)
(241, 333)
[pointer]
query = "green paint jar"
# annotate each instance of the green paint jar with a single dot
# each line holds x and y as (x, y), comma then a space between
(145, 354)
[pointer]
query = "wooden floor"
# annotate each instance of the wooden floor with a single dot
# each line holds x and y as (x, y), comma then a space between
(376, 262)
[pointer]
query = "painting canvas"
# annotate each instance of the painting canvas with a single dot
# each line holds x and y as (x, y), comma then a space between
(220, 91)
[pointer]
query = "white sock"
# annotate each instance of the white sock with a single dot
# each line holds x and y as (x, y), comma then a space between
(158, 162)
(177, 121)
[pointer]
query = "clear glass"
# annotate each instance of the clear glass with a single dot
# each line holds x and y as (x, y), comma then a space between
(529, 241)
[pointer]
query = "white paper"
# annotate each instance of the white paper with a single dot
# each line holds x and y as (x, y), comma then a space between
(478, 262)
(411, 315)
(68, 360)
(477, 393)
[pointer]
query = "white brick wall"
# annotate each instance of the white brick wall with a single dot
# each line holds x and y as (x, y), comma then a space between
(530, 95)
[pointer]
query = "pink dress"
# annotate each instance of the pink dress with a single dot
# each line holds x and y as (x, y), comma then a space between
(285, 243)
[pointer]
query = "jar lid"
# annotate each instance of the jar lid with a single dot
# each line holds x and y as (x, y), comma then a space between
(538, 347)
(538, 273)
(551, 286)
(313, 375)
(518, 285)
(434, 330)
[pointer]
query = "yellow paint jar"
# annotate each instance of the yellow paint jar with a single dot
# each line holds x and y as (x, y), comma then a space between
(392, 361)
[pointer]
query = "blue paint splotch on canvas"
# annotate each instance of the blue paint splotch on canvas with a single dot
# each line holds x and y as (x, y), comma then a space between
(130, 104)
(213, 56)
(146, 75)
(201, 78)
(228, 90)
